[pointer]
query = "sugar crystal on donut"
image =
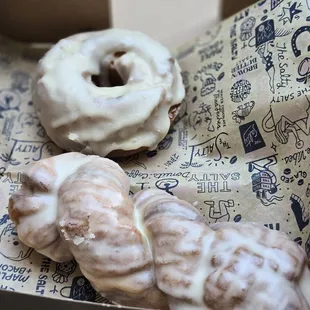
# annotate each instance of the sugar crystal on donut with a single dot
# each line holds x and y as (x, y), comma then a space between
(110, 93)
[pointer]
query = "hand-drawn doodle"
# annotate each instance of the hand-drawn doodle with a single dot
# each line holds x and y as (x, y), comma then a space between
(233, 160)
(7, 158)
(290, 13)
(261, 3)
(167, 184)
(17, 251)
(54, 290)
(20, 81)
(33, 151)
(307, 247)
(9, 101)
(242, 111)
(237, 218)
(308, 6)
(298, 32)
(264, 181)
(304, 70)
(208, 84)
(298, 240)
(63, 271)
(240, 91)
(207, 79)
(272, 226)
(251, 137)
(264, 41)
(246, 29)
(27, 120)
(132, 159)
(275, 3)
(4, 219)
(201, 117)
(219, 212)
(283, 125)
(209, 151)
(274, 147)
(151, 154)
(165, 143)
(300, 211)
(81, 289)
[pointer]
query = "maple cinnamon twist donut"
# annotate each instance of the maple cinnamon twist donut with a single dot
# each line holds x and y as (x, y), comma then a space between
(111, 92)
(153, 250)
(76, 205)
(228, 266)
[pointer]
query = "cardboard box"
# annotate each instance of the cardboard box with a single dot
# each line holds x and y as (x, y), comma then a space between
(45, 22)
(171, 22)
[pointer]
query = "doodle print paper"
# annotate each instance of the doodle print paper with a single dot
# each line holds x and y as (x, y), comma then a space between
(239, 149)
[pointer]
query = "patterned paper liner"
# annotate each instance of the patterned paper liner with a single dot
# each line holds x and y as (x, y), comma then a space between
(239, 149)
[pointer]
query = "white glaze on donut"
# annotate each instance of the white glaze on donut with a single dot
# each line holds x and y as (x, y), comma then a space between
(154, 248)
(81, 116)
(229, 266)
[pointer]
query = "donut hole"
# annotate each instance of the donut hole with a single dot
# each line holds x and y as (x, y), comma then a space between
(113, 78)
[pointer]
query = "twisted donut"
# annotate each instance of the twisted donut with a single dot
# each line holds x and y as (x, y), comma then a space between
(80, 109)
(74, 205)
(229, 266)
(153, 250)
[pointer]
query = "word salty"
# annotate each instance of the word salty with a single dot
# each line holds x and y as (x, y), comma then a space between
(290, 96)
(244, 66)
(234, 176)
(214, 182)
(41, 282)
(13, 273)
(284, 76)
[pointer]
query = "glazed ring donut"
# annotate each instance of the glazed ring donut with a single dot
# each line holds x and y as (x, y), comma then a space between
(109, 92)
